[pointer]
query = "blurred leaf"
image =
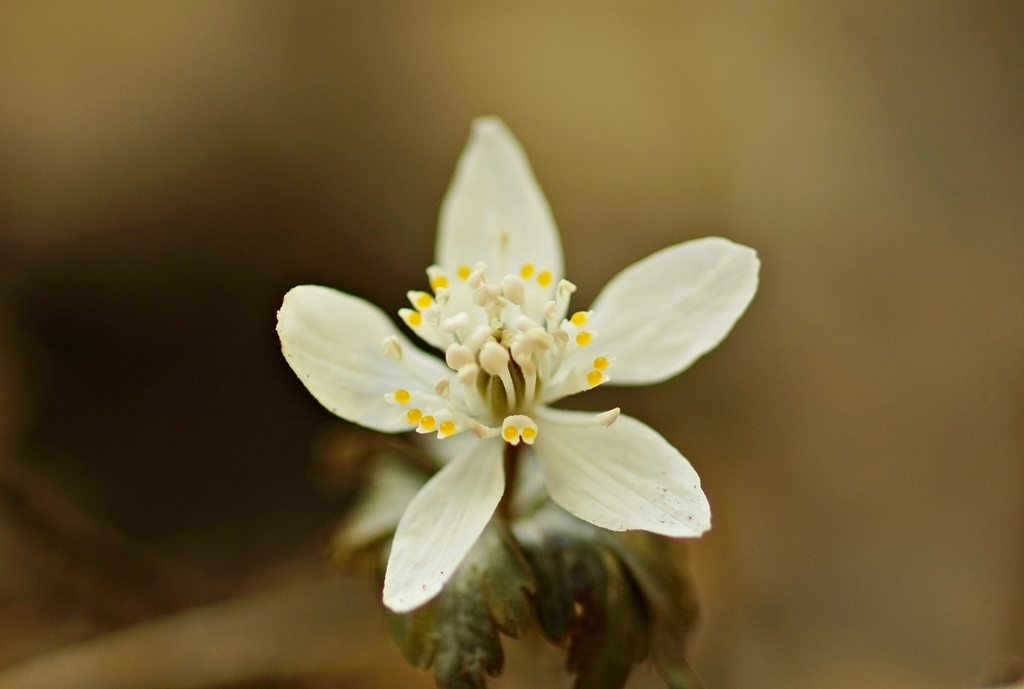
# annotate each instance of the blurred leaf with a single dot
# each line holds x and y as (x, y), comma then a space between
(457, 632)
(390, 486)
(670, 599)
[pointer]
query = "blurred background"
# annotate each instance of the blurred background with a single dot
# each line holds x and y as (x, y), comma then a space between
(168, 171)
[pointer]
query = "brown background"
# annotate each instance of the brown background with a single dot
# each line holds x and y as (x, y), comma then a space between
(168, 171)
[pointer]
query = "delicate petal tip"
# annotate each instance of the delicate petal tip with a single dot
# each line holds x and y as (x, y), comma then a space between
(494, 210)
(441, 524)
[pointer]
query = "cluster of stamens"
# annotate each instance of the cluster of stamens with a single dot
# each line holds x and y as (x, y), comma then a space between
(504, 362)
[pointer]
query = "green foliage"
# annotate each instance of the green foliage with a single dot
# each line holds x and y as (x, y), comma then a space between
(457, 632)
(610, 598)
(670, 599)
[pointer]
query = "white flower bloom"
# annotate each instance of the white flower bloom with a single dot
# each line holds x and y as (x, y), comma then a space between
(498, 309)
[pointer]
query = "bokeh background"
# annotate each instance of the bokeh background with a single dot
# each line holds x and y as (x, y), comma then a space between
(168, 171)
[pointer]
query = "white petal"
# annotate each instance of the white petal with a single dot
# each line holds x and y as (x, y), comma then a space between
(441, 524)
(620, 477)
(391, 487)
(332, 341)
(494, 210)
(660, 314)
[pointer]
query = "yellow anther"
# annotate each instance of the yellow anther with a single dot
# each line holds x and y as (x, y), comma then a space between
(582, 338)
(594, 377)
(578, 318)
(427, 422)
(414, 319)
(423, 301)
(447, 428)
(526, 271)
(402, 396)
(544, 278)
(413, 415)
(510, 433)
(464, 272)
(529, 433)
(600, 363)
(439, 282)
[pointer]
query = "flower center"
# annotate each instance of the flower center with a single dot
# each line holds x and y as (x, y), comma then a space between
(510, 345)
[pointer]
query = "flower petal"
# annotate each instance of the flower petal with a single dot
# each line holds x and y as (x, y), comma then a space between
(662, 313)
(332, 341)
(620, 477)
(441, 524)
(391, 486)
(494, 210)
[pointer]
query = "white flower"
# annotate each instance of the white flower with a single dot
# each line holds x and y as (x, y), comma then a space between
(499, 310)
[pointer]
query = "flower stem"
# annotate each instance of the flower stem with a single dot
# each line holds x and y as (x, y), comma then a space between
(504, 508)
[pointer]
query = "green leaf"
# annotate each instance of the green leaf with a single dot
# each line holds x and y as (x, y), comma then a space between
(457, 632)
(670, 598)
(586, 598)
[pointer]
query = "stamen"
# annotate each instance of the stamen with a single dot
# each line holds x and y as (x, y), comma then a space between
(480, 430)
(544, 278)
(539, 338)
(442, 295)
(529, 370)
(392, 347)
(477, 338)
(494, 358)
(583, 338)
(607, 418)
(437, 278)
(412, 318)
(480, 296)
(578, 379)
(600, 363)
(579, 319)
(519, 427)
(554, 311)
(526, 271)
(456, 322)
(464, 272)
(478, 277)
(414, 415)
(446, 428)
(427, 423)
(443, 388)
(402, 396)
(432, 315)
(494, 361)
(423, 300)
(467, 374)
